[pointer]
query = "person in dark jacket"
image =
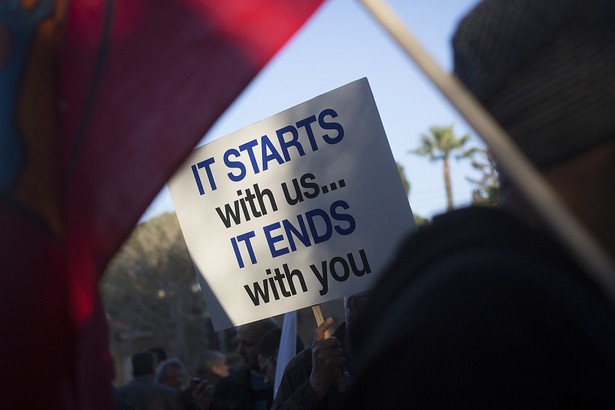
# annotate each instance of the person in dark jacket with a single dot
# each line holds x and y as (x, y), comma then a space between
(486, 308)
(245, 387)
(268, 350)
(143, 392)
(210, 369)
(310, 378)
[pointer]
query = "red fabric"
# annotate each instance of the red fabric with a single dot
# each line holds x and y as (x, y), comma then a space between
(139, 83)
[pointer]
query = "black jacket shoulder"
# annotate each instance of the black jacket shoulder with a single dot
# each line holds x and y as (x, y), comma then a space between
(479, 310)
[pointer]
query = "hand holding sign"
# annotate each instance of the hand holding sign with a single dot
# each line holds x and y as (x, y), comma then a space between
(327, 358)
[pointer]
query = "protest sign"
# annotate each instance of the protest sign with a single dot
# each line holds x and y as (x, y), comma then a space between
(301, 208)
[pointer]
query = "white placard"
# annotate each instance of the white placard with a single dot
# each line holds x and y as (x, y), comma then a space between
(301, 208)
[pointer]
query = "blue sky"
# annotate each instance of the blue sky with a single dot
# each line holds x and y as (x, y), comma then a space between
(342, 43)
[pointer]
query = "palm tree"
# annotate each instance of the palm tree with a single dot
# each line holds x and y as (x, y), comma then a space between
(438, 145)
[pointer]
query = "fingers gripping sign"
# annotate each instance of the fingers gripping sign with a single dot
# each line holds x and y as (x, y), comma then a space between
(327, 358)
(322, 332)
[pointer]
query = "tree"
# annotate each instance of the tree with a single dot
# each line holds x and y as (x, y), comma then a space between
(404, 181)
(406, 184)
(439, 145)
(151, 295)
(152, 299)
(487, 187)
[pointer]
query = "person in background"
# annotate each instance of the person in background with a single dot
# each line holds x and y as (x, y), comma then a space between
(309, 380)
(487, 308)
(171, 372)
(245, 388)
(143, 392)
(268, 354)
(211, 367)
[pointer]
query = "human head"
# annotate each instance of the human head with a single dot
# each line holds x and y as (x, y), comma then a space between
(212, 364)
(248, 337)
(143, 364)
(352, 305)
(545, 70)
(171, 372)
(267, 356)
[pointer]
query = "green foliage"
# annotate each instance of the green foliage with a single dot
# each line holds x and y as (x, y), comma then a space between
(404, 181)
(487, 187)
(151, 295)
(439, 145)
(420, 221)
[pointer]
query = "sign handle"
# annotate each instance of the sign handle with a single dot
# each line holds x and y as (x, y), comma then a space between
(341, 386)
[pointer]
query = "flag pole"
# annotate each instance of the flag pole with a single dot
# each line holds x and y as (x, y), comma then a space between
(598, 266)
(339, 380)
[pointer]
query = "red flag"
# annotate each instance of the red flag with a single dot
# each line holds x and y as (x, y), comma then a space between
(91, 127)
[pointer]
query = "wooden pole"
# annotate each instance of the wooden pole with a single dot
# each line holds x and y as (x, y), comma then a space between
(598, 265)
(341, 386)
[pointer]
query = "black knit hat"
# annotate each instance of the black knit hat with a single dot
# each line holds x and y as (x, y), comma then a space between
(545, 69)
